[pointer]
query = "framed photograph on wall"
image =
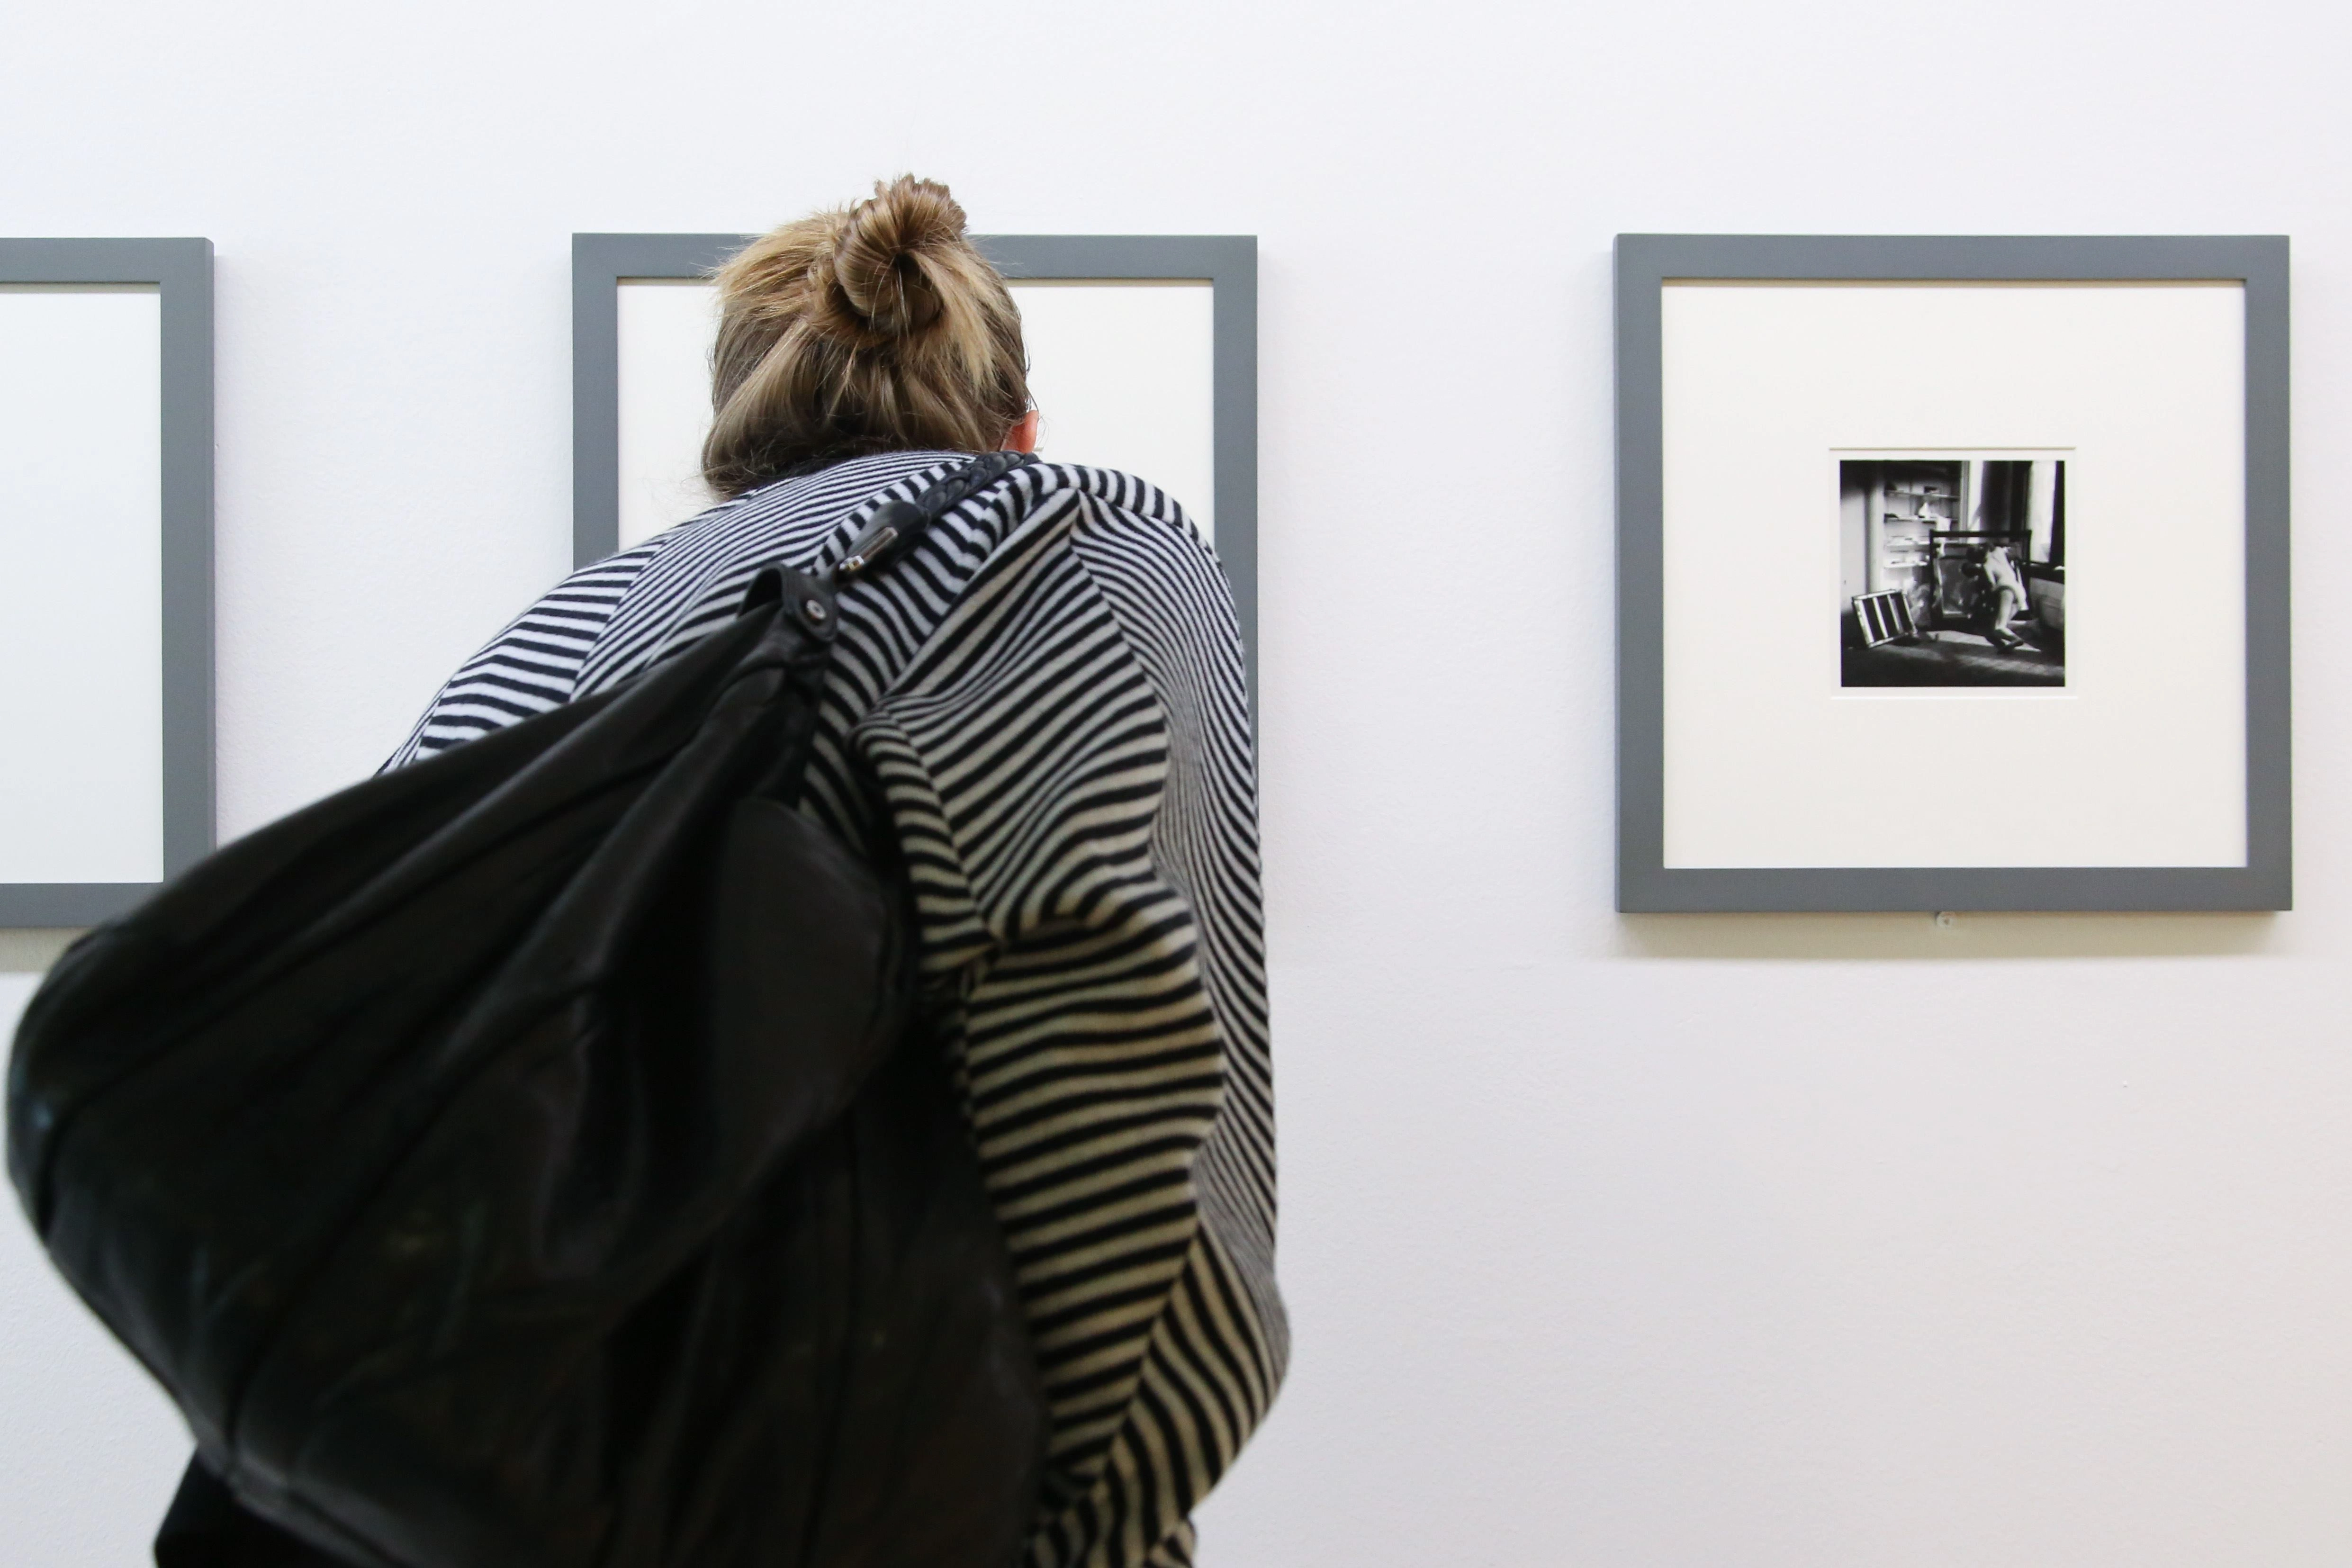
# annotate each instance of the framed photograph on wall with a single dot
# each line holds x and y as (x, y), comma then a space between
(1143, 357)
(106, 600)
(1952, 573)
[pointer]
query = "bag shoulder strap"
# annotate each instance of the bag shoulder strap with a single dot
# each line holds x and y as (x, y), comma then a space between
(892, 528)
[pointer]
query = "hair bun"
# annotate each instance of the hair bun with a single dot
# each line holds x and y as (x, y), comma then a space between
(880, 266)
(874, 328)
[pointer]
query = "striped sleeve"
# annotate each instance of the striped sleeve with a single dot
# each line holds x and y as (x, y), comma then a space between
(1067, 765)
(531, 667)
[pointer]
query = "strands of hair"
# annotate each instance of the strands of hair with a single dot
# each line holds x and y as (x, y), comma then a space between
(873, 328)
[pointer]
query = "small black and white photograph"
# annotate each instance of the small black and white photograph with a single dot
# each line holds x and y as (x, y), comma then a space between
(1953, 572)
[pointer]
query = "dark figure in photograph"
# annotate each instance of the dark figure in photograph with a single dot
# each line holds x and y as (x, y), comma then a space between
(1953, 573)
(2009, 594)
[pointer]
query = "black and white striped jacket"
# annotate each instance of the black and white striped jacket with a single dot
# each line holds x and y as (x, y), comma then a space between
(1044, 701)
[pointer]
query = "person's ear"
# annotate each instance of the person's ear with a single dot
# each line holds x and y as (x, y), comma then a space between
(1022, 437)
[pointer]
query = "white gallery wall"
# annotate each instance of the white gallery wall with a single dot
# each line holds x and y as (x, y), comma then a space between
(1778, 1242)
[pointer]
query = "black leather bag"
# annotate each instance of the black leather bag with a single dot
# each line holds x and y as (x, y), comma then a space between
(534, 1158)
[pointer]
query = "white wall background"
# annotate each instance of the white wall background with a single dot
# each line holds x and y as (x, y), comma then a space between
(1783, 1243)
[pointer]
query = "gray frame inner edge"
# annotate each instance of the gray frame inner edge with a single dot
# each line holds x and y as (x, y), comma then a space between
(181, 271)
(1644, 264)
(1229, 262)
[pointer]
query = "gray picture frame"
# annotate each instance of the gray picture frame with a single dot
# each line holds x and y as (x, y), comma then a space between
(1645, 264)
(1227, 261)
(181, 270)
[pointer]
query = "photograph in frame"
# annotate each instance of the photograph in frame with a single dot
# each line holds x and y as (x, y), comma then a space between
(106, 507)
(2053, 516)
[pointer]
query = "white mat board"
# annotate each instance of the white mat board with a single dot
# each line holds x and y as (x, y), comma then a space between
(81, 791)
(2140, 759)
(1122, 373)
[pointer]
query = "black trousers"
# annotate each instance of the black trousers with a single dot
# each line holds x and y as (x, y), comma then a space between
(206, 1527)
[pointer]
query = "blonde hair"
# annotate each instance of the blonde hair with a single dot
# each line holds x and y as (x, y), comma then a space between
(872, 328)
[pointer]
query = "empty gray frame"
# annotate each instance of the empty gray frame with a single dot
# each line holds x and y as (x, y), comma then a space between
(181, 270)
(1227, 262)
(1645, 264)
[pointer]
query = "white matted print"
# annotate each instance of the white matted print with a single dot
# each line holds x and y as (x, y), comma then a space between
(1778, 751)
(1122, 371)
(81, 795)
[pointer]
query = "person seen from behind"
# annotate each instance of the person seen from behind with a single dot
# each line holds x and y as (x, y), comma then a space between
(1040, 712)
